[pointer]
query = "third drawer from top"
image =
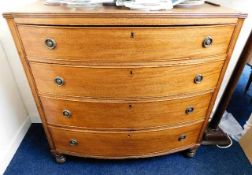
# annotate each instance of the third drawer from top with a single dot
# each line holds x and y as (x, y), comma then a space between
(125, 115)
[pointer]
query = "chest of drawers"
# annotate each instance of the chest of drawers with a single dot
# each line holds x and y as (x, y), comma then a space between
(114, 83)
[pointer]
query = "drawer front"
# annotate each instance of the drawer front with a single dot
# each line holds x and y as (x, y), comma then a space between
(124, 82)
(124, 143)
(94, 115)
(123, 44)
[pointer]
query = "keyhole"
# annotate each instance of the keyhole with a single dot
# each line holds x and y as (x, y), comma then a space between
(130, 106)
(131, 72)
(132, 35)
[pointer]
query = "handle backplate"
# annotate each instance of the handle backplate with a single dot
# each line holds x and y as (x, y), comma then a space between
(189, 110)
(207, 42)
(182, 137)
(59, 81)
(73, 142)
(198, 79)
(66, 113)
(50, 43)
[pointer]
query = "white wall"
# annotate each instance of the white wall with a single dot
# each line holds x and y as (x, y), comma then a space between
(242, 5)
(14, 61)
(14, 119)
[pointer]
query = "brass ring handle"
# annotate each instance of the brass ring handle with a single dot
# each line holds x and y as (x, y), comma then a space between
(67, 113)
(198, 79)
(50, 43)
(59, 81)
(207, 42)
(73, 142)
(189, 110)
(182, 137)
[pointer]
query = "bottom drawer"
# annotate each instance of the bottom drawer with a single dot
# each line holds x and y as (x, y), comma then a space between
(124, 144)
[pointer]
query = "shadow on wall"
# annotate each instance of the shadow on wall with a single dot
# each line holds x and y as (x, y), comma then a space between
(13, 59)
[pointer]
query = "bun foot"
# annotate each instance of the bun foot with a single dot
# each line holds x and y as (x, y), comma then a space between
(191, 152)
(60, 158)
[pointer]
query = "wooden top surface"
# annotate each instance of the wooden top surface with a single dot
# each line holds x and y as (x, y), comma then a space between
(38, 9)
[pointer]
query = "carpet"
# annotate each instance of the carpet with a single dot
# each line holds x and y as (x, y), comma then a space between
(241, 104)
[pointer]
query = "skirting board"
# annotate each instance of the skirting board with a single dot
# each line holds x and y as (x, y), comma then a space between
(14, 144)
(35, 119)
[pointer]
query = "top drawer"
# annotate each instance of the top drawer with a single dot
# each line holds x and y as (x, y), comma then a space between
(123, 44)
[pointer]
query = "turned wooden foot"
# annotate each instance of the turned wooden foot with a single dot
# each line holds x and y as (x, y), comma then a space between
(191, 152)
(60, 158)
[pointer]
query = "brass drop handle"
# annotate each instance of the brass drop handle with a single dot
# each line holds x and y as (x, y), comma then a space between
(189, 110)
(67, 113)
(207, 42)
(198, 79)
(73, 142)
(182, 137)
(59, 81)
(50, 43)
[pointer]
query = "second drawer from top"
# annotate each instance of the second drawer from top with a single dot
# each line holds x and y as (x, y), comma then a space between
(125, 83)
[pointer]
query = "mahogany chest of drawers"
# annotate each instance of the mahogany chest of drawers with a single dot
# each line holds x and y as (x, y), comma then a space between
(116, 83)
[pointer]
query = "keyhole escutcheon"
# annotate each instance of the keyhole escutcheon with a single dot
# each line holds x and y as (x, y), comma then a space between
(132, 35)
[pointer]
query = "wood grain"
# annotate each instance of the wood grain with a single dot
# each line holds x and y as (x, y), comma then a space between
(116, 44)
(124, 82)
(125, 115)
(125, 143)
(124, 21)
(172, 62)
